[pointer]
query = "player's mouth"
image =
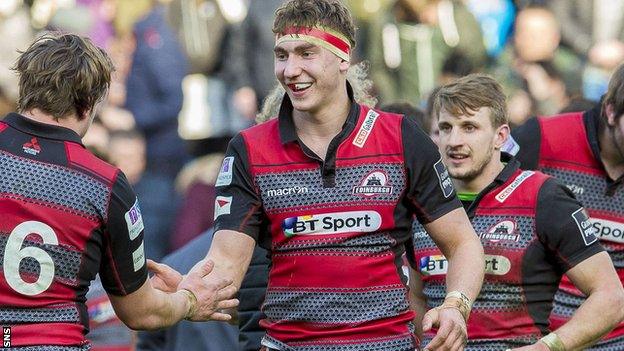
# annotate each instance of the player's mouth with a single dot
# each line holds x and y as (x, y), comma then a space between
(457, 157)
(299, 87)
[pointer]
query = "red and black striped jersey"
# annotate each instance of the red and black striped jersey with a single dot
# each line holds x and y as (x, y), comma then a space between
(532, 230)
(573, 157)
(65, 215)
(336, 227)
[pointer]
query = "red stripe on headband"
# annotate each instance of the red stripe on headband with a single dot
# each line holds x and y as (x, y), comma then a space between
(331, 39)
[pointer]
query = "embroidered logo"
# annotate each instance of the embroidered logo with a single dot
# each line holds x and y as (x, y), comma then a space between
(446, 184)
(365, 129)
(501, 231)
(32, 147)
(584, 224)
(222, 205)
(505, 193)
(373, 184)
(225, 174)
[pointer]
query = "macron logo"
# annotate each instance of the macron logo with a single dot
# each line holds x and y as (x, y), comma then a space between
(365, 129)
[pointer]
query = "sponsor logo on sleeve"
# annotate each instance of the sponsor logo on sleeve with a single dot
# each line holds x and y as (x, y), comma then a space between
(584, 224)
(134, 220)
(438, 265)
(609, 230)
(374, 183)
(509, 189)
(332, 223)
(446, 184)
(501, 231)
(365, 129)
(225, 174)
(138, 258)
(222, 205)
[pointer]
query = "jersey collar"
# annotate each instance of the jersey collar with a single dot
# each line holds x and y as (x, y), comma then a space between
(287, 129)
(39, 129)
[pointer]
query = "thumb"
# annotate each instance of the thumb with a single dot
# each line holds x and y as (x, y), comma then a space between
(429, 318)
(154, 266)
(202, 268)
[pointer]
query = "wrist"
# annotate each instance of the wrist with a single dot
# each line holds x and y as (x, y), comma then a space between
(459, 301)
(553, 342)
(191, 302)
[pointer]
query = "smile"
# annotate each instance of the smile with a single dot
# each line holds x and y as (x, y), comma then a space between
(297, 87)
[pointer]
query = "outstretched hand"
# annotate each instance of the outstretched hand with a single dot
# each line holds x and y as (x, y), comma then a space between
(165, 278)
(213, 293)
(451, 335)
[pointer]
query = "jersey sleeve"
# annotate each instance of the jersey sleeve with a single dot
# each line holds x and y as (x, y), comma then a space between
(430, 194)
(123, 268)
(528, 137)
(238, 205)
(564, 226)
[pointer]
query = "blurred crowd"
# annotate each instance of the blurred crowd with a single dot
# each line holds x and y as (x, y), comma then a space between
(191, 73)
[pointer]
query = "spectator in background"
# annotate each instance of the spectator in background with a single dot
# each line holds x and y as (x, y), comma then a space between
(537, 74)
(209, 336)
(585, 151)
(410, 42)
(410, 111)
(595, 30)
(106, 331)
(154, 92)
(496, 19)
(127, 150)
(15, 25)
(251, 54)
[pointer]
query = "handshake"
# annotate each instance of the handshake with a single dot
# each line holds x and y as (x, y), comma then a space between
(207, 296)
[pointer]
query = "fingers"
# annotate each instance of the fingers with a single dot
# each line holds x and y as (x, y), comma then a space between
(228, 292)
(429, 319)
(225, 304)
(219, 316)
(155, 267)
(440, 337)
(202, 268)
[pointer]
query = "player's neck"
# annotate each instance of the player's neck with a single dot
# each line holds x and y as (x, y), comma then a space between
(317, 128)
(70, 121)
(611, 153)
(480, 182)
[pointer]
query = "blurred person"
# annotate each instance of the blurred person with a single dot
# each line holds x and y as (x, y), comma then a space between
(96, 140)
(252, 49)
(410, 42)
(78, 215)
(186, 335)
(496, 18)
(154, 91)
(585, 151)
(538, 75)
(337, 185)
(594, 30)
(409, 111)
(431, 118)
(106, 331)
(532, 230)
(127, 150)
(17, 32)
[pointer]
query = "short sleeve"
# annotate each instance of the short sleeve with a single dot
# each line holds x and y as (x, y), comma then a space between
(430, 193)
(123, 268)
(528, 137)
(564, 226)
(238, 205)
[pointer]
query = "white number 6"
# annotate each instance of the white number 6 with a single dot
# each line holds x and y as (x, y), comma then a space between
(14, 254)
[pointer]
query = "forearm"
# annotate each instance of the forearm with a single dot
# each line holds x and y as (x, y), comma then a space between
(149, 308)
(600, 313)
(231, 253)
(465, 270)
